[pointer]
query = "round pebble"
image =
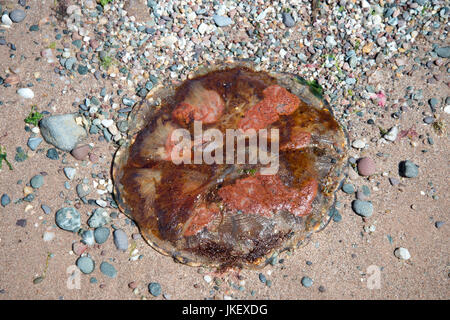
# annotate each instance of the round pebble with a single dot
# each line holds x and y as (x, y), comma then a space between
(68, 219)
(86, 265)
(307, 282)
(366, 166)
(37, 181)
(362, 208)
(101, 234)
(154, 288)
(120, 239)
(108, 269)
(402, 253)
(17, 15)
(348, 188)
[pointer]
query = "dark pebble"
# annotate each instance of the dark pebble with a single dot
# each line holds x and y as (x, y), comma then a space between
(154, 288)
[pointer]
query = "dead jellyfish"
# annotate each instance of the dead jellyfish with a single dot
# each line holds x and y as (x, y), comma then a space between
(230, 167)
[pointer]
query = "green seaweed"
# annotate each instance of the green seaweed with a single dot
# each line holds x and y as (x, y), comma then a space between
(315, 88)
(34, 116)
(3, 158)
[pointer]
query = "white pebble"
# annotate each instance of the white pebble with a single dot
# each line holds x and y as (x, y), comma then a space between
(48, 236)
(107, 122)
(392, 134)
(402, 253)
(6, 20)
(207, 278)
(26, 93)
(358, 144)
(447, 109)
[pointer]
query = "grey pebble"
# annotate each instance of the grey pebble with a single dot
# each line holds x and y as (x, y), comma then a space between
(68, 219)
(37, 181)
(439, 224)
(5, 200)
(99, 218)
(154, 288)
(33, 143)
(288, 20)
(362, 208)
(86, 265)
(62, 131)
(108, 269)
(408, 169)
(101, 234)
(120, 240)
(17, 15)
(348, 188)
(307, 282)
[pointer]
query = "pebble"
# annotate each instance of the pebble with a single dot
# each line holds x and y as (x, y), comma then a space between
(307, 282)
(70, 172)
(86, 265)
(37, 181)
(154, 288)
(52, 154)
(99, 218)
(408, 169)
(391, 135)
(62, 131)
(358, 144)
(439, 224)
(362, 208)
(17, 15)
(348, 188)
(21, 223)
(288, 20)
(108, 269)
(33, 143)
(120, 240)
(366, 166)
(79, 248)
(88, 237)
(26, 93)
(6, 20)
(81, 152)
(101, 234)
(402, 253)
(83, 190)
(68, 219)
(222, 21)
(48, 236)
(46, 209)
(5, 200)
(443, 52)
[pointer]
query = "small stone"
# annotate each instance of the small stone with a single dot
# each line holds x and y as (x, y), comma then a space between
(17, 15)
(120, 240)
(81, 152)
(88, 237)
(86, 265)
(394, 181)
(6, 20)
(262, 278)
(52, 154)
(402, 253)
(348, 188)
(68, 219)
(99, 218)
(33, 143)
(222, 21)
(439, 224)
(46, 209)
(366, 166)
(101, 234)
(5, 200)
(288, 20)
(62, 131)
(70, 172)
(79, 248)
(83, 70)
(21, 223)
(358, 144)
(108, 269)
(48, 236)
(83, 190)
(26, 93)
(307, 282)
(443, 52)
(408, 169)
(154, 288)
(37, 181)
(362, 208)
(391, 135)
